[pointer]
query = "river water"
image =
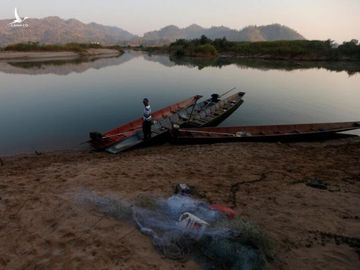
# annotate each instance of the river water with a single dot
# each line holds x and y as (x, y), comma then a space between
(53, 105)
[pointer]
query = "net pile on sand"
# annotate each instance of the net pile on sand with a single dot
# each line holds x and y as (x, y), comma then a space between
(182, 227)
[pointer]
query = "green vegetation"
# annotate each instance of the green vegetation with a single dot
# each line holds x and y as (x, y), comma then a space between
(73, 47)
(202, 47)
(311, 50)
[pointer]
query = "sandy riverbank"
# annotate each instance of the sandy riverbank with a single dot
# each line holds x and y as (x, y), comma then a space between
(41, 56)
(43, 227)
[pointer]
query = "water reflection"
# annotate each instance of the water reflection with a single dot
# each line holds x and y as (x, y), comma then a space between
(350, 67)
(62, 67)
(65, 67)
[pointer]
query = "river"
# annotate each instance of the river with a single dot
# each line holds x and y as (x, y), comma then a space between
(47, 106)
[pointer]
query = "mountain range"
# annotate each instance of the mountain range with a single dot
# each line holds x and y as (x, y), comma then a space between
(249, 33)
(52, 30)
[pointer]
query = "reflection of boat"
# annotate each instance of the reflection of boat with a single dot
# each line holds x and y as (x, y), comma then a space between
(183, 114)
(260, 133)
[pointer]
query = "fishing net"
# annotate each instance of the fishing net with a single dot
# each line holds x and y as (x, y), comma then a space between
(107, 205)
(213, 240)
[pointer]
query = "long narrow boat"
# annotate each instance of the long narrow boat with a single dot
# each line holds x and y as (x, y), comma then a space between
(213, 111)
(187, 113)
(259, 133)
(130, 134)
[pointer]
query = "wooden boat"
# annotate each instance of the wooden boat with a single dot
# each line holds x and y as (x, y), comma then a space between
(259, 133)
(213, 111)
(187, 113)
(130, 134)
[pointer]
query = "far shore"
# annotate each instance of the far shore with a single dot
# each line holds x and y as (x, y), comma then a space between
(58, 55)
(293, 50)
(233, 55)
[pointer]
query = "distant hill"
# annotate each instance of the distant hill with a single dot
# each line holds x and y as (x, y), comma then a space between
(52, 30)
(251, 33)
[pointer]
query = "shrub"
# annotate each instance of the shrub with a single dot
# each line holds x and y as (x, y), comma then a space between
(205, 50)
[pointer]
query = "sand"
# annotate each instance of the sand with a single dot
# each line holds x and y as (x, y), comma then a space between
(42, 226)
(46, 56)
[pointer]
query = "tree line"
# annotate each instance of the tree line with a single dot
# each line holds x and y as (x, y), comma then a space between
(294, 49)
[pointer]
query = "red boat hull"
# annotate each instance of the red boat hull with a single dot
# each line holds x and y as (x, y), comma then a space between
(126, 131)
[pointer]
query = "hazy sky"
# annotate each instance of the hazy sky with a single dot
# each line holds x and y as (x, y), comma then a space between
(315, 19)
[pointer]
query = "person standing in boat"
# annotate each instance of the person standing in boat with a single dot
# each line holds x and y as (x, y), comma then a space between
(147, 120)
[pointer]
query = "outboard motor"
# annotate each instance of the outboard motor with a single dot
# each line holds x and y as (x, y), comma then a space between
(215, 98)
(96, 136)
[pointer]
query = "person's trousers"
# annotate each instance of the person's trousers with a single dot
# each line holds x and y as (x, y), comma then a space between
(147, 130)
